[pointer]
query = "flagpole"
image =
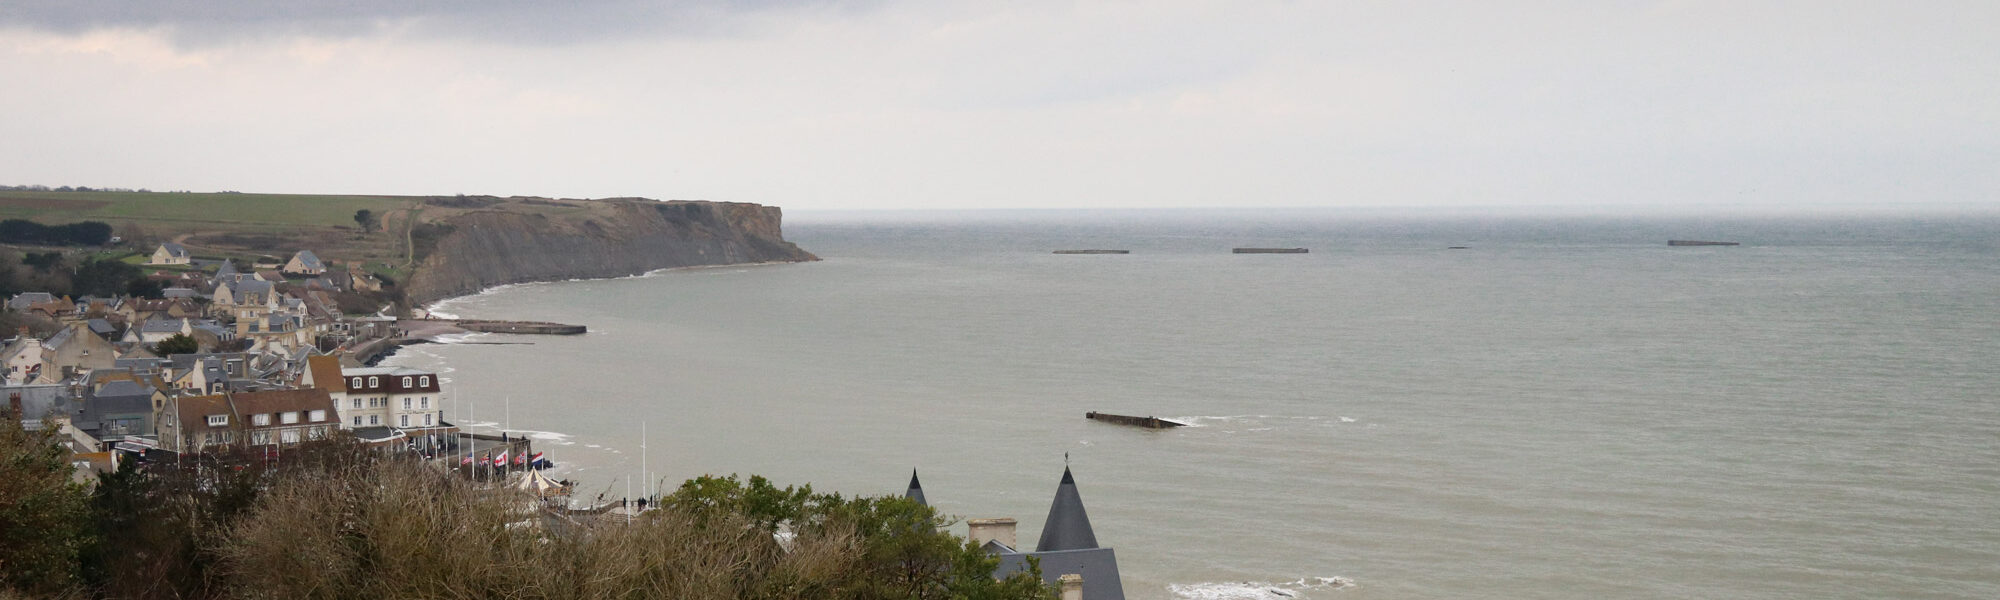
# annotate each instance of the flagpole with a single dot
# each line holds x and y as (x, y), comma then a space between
(644, 471)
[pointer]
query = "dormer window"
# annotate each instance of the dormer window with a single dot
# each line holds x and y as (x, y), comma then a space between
(373, 382)
(424, 381)
(289, 417)
(406, 382)
(218, 420)
(357, 382)
(260, 420)
(318, 415)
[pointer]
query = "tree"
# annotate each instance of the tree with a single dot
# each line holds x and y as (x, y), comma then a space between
(366, 219)
(178, 343)
(44, 516)
(105, 278)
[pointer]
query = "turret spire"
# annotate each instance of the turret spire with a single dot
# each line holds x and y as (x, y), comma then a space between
(916, 491)
(1068, 526)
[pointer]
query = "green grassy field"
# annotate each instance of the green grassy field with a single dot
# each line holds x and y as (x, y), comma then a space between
(241, 226)
(160, 207)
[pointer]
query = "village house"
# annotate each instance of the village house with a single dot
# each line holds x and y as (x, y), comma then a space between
(305, 263)
(153, 331)
(193, 424)
(23, 300)
(118, 404)
(70, 351)
(170, 253)
(379, 403)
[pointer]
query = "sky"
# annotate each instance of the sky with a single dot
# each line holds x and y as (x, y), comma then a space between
(889, 104)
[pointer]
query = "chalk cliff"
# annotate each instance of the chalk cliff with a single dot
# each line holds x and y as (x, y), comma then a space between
(544, 240)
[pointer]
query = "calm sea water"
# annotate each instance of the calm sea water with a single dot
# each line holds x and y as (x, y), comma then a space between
(1568, 408)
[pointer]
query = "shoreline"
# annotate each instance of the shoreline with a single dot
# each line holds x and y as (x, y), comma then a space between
(431, 308)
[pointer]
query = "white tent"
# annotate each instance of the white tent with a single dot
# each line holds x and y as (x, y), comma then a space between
(536, 483)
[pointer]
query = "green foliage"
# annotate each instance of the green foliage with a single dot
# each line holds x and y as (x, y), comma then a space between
(899, 547)
(42, 261)
(98, 277)
(366, 219)
(43, 514)
(178, 343)
(22, 231)
(332, 519)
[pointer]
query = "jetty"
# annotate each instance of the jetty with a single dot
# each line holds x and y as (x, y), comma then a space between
(1093, 252)
(1699, 243)
(529, 327)
(1146, 422)
(1268, 250)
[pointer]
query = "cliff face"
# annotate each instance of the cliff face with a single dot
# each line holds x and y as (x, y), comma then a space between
(602, 238)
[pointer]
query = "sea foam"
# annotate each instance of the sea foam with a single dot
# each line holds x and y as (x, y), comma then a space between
(1304, 587)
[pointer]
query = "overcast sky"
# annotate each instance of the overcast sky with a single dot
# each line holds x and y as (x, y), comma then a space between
(925, 104)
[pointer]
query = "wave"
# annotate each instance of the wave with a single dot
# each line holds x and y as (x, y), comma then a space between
(1258, 590)
(1261, 422)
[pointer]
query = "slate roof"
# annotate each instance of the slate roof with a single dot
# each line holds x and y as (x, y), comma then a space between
(161, 326)
(38, 401)
(228, 268)
(139, 364)
(916, 491)
(1098, 566)
(101, 327)
(1068, 526)
(23, 300)
(174, 249)
(179, 292)
(308, 260)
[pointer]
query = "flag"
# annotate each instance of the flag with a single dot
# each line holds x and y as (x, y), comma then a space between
(500, 459)
(520, 459)
(467, 461)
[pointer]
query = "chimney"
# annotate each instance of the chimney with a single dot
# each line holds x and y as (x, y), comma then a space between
(1072, 586)
(986, 530)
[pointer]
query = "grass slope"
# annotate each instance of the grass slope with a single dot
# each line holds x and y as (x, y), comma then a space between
(246, 209)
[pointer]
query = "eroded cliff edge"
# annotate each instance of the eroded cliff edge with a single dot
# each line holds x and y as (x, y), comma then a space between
(480, 248)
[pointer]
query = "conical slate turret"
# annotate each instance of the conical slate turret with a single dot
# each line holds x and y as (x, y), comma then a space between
(1068, 527)
(916, 489)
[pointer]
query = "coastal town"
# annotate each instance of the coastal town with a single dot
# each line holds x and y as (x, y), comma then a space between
(231, 367)
(233, 356)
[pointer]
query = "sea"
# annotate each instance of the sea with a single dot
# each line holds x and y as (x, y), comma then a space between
(1562, 406)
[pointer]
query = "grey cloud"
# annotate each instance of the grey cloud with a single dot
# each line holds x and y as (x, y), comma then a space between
(513, 21)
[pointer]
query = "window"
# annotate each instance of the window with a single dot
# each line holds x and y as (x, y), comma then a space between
(406, 404)
(424, 381)
(357, 382)
(406, 382)
(406, 421)
(374, 420)
(426, 403)
(218, 420)
(290, 436)
(260, 420)
(373, 382)
(357, 420)
(357, 403)
(288, 417)
(318, 415)
(427, 419)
